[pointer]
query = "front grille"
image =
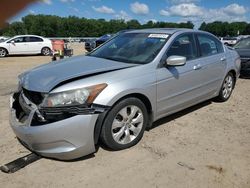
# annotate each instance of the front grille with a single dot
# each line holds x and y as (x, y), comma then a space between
(26, 108)
(21, 114)
(33, 96)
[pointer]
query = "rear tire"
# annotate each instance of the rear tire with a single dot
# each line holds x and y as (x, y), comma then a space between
(226, 88)
(3, 52)
(125, 124)
(46, 51)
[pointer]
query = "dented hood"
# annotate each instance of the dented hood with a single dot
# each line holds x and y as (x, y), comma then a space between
(45, 77)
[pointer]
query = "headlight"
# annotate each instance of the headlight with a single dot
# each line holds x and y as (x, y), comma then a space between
(74, 97)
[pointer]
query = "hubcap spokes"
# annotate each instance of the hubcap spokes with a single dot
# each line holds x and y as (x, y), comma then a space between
(227, 87)
(127, 124)
(46, 51)
(2, 53)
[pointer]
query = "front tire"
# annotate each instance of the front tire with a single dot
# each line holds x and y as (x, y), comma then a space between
(125, 124)
(46, 51)
(3, 52)
(226, 88)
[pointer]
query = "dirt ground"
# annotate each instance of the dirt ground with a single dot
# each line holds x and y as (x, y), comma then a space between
(206, 146)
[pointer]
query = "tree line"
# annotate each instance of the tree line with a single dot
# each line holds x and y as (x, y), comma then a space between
(72, 26)
(226, 29)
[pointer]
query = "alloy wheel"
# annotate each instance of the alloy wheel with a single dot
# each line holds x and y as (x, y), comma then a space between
(2, 52)
(127, 124)
(227, 86)
(46, 51)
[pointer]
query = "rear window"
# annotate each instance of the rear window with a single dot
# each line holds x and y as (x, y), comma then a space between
(209, 45)
(33, 39)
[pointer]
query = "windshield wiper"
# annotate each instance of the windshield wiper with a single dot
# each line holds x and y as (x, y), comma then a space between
(116, 59)
(109, 58)
(121, 60)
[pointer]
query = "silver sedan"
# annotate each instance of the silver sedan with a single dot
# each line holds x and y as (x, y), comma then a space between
(63, 109)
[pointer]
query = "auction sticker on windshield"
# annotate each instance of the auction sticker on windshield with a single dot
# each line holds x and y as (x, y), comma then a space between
(161, 36)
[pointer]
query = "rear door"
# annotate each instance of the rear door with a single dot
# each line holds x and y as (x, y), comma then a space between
(180, 86)
(213, 62)
(35, 44)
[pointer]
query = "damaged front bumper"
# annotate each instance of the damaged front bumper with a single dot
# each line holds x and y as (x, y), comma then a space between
(63, 139)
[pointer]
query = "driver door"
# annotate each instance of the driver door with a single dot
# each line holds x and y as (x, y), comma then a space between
(179, 86)
(18, 46)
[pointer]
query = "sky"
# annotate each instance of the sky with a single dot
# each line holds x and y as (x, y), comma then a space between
(196, 11)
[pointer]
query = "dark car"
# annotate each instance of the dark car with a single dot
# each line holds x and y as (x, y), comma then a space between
(91, 44)
(103, 39)
(243, 48)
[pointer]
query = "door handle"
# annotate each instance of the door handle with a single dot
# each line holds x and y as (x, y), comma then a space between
(197, 67)
(223, 59)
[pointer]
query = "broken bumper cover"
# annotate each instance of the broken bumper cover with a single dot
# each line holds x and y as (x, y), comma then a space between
(66, 139)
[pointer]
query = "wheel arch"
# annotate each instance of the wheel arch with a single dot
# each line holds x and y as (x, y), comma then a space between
(101, 118)
(46, 47)
(234, 75)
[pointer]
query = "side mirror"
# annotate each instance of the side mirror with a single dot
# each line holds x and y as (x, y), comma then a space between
(176, 60)
(12, 42)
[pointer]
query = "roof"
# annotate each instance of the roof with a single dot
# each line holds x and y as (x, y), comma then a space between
(28, 36)
(160, 30)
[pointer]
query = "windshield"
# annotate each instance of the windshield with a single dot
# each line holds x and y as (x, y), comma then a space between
(245, 43)
(137, 48)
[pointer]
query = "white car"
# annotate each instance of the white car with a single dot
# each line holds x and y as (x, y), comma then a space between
(229, 41)
(25, 44)
(2, 38)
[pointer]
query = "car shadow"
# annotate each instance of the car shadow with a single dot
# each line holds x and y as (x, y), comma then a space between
(26, 55)
(156, 124)
(168, 119)
(179, 114)
(84, 158)
(245, 77)
(51, 158)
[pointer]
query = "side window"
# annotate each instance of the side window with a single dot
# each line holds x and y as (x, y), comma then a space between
(209, 45)
(19, 40)
(183, 45)
(34, 39)
(243, 44)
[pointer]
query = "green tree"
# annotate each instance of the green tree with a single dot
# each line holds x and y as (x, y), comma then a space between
(225, 28)
(72, 26)
(247, 30)
(133, 24)
(15, 28)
